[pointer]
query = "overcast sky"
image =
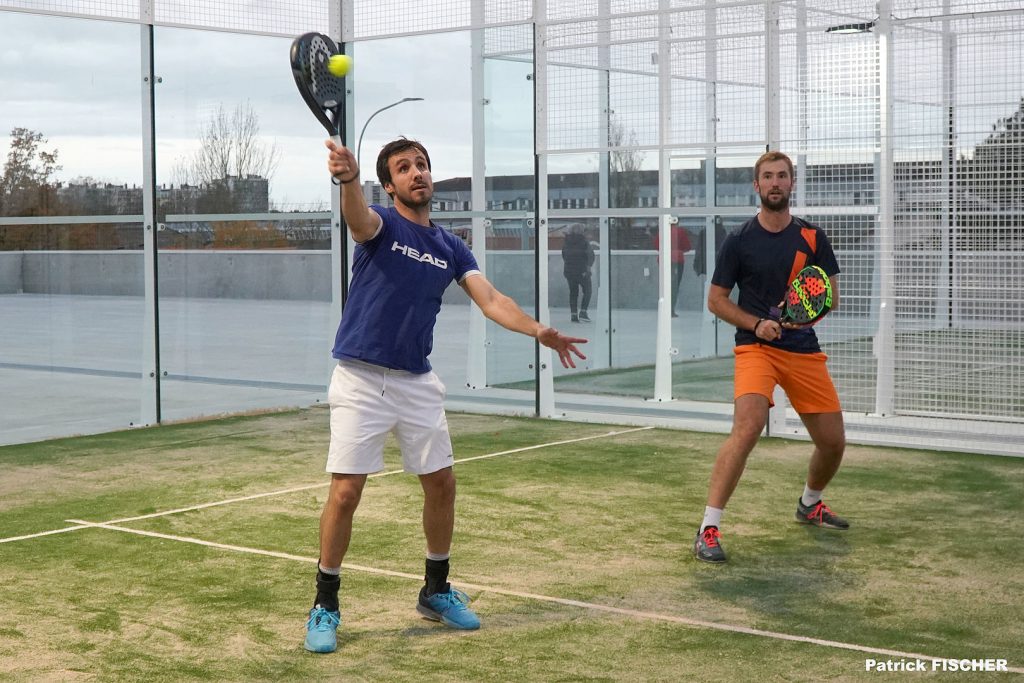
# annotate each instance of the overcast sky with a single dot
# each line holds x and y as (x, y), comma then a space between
(79, 83)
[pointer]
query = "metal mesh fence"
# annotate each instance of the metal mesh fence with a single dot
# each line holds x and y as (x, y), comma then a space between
(959, 209)
(103, 9)
(279, 17)
(932, 110)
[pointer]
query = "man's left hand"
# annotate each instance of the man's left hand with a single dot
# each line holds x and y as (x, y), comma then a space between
(565, 346)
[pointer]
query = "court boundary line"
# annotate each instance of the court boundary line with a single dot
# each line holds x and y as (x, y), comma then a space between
(591, 606)
(323, 484)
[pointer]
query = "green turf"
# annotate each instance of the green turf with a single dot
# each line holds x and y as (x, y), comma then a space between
(930, 566)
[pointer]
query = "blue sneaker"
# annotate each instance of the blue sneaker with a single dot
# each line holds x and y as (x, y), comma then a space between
(451, 609)
(322, 630)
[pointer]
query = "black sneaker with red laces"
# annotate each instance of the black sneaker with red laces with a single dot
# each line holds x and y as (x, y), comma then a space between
(708, 546)
(821, 515)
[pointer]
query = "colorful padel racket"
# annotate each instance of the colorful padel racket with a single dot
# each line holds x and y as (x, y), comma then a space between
(322, 91)
(808, 298)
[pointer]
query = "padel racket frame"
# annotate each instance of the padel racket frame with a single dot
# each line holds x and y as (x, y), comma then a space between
(808, 298)
(323, 92)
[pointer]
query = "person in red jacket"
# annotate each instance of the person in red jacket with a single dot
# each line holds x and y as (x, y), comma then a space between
(680, 245)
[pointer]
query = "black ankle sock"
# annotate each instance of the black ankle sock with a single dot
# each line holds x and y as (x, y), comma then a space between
(327, 586)
(437, 576)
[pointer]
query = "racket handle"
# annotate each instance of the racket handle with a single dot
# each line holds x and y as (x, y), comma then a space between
(337, 140)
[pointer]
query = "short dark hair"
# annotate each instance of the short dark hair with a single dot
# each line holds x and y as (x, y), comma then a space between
(773, 156)
(392, 148)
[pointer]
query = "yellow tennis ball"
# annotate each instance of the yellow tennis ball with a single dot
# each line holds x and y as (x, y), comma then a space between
(339, 65)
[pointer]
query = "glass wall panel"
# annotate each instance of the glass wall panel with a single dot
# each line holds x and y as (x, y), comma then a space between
(703, 368)
(510, 188)
(634, 302)
(510, 267)
(244, 266)
(71, 266)
(578, 259)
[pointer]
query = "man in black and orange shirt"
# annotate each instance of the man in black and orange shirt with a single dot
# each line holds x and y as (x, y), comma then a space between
(761, 258)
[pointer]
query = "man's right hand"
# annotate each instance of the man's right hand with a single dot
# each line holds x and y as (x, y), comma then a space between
(341, 162)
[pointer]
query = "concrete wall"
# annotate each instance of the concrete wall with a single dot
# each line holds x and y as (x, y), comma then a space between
(110, 273)
(289, 275)
(284, 275)
(10, 272)
(304, 276)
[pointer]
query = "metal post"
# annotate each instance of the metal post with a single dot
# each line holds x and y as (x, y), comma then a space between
(600, 351)
(149, 412)
(544, 374)
(663, 335)
(885, 337)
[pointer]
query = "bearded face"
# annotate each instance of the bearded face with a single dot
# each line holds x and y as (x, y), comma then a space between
(775, 200)
(774, 185)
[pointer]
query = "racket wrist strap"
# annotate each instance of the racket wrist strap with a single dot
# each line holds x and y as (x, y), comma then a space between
(335, 180)
(757, 325)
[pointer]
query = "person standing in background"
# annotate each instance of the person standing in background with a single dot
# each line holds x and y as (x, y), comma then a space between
(577, 258)
(680, 245)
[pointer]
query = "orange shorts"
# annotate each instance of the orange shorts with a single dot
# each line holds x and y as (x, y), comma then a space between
(803, 376)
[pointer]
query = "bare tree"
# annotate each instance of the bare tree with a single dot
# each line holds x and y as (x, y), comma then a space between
(26, 188)
(624, 179)
(230, 145)
(624, 162)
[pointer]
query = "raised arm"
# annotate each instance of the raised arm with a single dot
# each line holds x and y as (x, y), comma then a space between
(506, 312)
(362, 221)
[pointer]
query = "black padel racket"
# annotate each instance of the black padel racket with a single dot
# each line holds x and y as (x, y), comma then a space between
(808, 298)
(322, 91)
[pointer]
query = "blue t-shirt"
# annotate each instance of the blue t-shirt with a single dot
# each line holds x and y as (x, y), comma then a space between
(760, 263)
(398, 278)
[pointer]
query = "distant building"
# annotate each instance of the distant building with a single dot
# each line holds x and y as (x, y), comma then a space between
(375, 194)
(233, 194)
(100, 199)
(251, 194)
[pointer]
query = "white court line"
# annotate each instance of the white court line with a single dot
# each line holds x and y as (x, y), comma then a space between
(45, 533)
(372, 476)
(635, 614)
(308, 487)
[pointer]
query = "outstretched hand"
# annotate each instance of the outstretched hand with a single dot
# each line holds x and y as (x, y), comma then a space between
(563, 345)
(341, 162)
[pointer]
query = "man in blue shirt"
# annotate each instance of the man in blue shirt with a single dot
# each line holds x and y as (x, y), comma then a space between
(383, 381)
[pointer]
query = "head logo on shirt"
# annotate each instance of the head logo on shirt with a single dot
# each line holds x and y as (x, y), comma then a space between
(417, 256)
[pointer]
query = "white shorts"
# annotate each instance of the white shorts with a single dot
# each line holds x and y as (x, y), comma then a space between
(368, 401)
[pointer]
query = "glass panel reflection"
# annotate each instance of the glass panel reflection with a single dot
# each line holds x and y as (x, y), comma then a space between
(71, 266)
(244, 263)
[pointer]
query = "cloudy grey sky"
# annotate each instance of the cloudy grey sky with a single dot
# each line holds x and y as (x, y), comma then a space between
(79, 83)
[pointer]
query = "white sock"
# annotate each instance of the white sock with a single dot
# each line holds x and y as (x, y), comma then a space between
(438, 557)
(712, 517)
(810, 497)
(334, 571)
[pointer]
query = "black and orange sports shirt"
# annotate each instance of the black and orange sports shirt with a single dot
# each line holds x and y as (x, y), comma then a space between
(762, 263)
